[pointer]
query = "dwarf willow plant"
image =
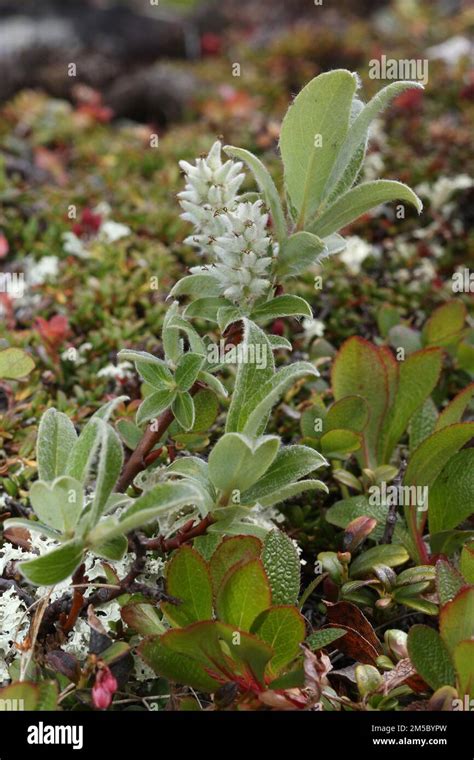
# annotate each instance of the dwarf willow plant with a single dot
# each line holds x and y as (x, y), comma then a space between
(323, 142)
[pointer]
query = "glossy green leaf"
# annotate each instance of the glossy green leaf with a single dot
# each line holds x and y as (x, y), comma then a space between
(283, 628)
(232, 550)
(188, 579)
(391, 555)
(243, 594)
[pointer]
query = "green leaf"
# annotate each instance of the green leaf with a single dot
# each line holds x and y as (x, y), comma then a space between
(176, 666)
(467, 562)
(456, 619)
(197, 286)
(289, 491)
(55, 566)
(33, 526)
(84, 451)
(113, 549)
(349, 413)
(213, 383)
(237, 461)
(449, 581)
(339, 443)
(251, 374)
(319, 116)
(430, 656)
(463, 656)
(48, 696)
(108, 471)
(187, 370)
(358, 201)
(243, 595)
(391, 555)
(183, 410)
(256, 410)
(454, 411)
(206, 408)
(154, 404)
(351, 376)
(266, 187)
(282, 306)
(203, 642)
(142, 618)
(156, 375)
(404, 337)
(299, 253)
(56, 437)
(58, 505)
(283, 628)
(446, 324)
(206, 308)
(24, 692)
(15, 363)
(159, 499)
(451, 495)
(290, 464)
(417, 377)
(282, 566)
(232, 550)
(423, 423)
(324, 637)
(357, 134)
(188, 579)
(433, 454)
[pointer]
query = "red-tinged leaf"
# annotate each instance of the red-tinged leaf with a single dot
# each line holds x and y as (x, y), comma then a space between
(454, 411)
(464, 663)
(359, 369)
(404, 672)
(232, 550)
(65, 663)
(177, 667)
(349, 615)
(417, 377)
(283, 628)
(445, 325)
(456, 619)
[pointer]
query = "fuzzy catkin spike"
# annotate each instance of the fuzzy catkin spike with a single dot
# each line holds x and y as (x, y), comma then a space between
(232, 233)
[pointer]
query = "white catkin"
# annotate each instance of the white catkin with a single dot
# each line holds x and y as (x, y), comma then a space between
(232, 233)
